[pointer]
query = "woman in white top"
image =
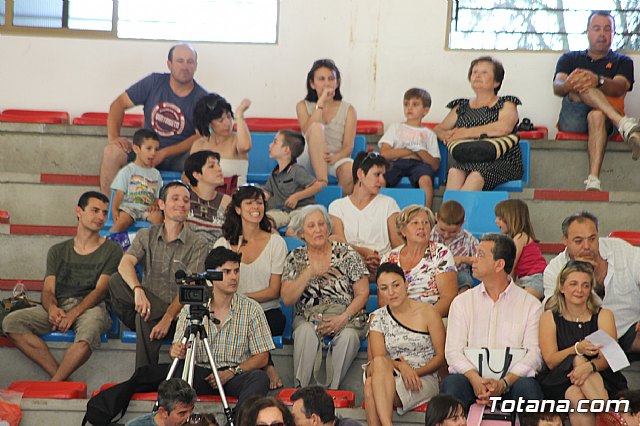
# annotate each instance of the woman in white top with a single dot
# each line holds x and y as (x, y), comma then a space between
(247, 230)
(366, 219)
(213, 118)
(329, 125)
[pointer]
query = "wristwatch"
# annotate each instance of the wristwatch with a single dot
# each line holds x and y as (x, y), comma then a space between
(236, 370)
(600, 81)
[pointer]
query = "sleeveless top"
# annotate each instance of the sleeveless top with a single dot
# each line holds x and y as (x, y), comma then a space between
(333, 130)
(531, 261)
(206, 217)
(506, 168)
(414, 346)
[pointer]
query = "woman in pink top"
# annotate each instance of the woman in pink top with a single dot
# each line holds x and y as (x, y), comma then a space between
(512, 217)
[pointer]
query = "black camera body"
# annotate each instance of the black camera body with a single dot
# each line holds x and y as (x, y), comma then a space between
(193, 289)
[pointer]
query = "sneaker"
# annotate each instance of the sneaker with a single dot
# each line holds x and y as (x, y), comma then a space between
(592, 183)
(630, 130)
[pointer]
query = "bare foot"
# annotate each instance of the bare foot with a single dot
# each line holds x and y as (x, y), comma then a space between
(274, 379)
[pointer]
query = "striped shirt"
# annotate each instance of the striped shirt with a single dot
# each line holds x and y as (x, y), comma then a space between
(243, 334)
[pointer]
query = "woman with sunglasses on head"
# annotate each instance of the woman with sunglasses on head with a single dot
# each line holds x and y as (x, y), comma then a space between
(575, 367)
(329, 125)
(366, 219)
(213, 119)
(247, 230)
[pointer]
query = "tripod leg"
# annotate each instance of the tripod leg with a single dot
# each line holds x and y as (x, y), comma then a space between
(214, 370)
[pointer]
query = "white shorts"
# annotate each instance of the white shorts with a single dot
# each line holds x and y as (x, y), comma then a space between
(411, 399)
(305, 162)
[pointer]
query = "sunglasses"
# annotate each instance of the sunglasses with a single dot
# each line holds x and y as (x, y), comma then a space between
(371, 156)
(212, 104)
(581, 263)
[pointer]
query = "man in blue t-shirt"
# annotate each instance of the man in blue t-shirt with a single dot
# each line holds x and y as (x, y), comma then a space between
(593, 84)
(168, 100)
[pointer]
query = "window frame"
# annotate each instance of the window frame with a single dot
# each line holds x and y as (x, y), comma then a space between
(447, 40)
(9, 29)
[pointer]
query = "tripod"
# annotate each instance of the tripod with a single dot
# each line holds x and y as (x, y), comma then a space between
(196, 329)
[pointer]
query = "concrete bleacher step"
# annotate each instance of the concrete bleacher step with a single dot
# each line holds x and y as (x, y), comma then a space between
(24, 256)
(564, 165)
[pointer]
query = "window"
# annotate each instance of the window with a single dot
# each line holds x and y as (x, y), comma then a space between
(244, 21)
(538, 24)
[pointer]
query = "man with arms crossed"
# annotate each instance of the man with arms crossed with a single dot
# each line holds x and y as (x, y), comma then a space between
(593, 85)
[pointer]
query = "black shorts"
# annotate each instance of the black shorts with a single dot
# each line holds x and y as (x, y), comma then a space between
(413, 169)
(627, 339)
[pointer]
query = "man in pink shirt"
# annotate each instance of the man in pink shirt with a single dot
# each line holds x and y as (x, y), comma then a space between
(495, 314)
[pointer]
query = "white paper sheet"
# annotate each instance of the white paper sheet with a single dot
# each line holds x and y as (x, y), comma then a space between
(610, 349)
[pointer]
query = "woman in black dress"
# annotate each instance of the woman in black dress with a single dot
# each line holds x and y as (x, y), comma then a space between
(575, 368)
(487, 114)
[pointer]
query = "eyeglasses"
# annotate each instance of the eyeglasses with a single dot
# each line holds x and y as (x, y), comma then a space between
(270, 424)
(371, 155)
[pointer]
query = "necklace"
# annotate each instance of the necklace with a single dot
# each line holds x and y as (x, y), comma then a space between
(580, 316)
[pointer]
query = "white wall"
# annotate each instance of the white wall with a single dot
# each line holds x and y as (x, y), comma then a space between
(381, 49)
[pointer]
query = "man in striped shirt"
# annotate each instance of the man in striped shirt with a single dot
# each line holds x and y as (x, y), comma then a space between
(238, 333)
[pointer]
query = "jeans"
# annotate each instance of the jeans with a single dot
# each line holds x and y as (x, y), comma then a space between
(459, 386)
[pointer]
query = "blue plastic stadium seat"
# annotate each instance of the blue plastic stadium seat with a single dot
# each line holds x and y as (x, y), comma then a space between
(405, 196)
(372, 303)
(441, 175)
(69, 337)
(373, 287)
(135, 227)
(516, 185)
(479, 209)
(129, 336)
(328, 194)
(287, 334)
(293, 243)
(169, 176)
(260, 165)
(277, 340)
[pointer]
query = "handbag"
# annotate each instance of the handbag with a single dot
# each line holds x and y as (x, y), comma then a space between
(316, 314)
(17, 301)
(494, 363)
(483, 149)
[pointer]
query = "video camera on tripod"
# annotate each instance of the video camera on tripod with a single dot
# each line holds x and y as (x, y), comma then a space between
(193, 289)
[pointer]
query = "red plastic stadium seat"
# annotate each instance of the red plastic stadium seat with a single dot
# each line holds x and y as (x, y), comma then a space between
(341, 399)
(100, 119)
(153, 396)
(34, 116)
(4, 216)
(369, 127)
(268, 125)
(632, 237)
(5, 342)
(538, 132)
(54, 390)
(430, 125)
(569, 136)
(420, 408)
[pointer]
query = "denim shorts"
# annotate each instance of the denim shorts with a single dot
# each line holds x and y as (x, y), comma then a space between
(534, 281)
(573, 118)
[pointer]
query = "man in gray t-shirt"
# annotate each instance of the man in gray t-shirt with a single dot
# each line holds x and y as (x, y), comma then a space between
(73, 293)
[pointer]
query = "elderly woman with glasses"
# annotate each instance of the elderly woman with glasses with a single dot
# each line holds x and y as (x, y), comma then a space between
(329, 124)
(329, 285)
(213, 119)
(429, 266)
(366, 219)
(575, 367)
(247, 230)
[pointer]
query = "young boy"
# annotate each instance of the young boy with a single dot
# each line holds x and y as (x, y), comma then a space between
(411, 148)
(542, 419)
(137, 185)
(206, 215)
(449, 231)
(290, 185)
